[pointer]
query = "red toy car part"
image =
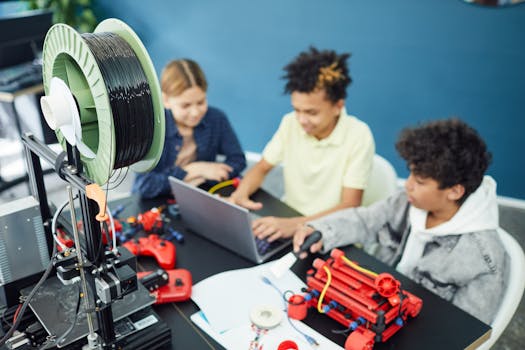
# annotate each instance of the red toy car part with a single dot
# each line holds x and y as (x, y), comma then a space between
(288, 345)
(372, 306)
(173, 285)
(150, 219)
(162, 250)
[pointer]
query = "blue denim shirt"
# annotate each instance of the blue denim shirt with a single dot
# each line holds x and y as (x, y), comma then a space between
(213, 135)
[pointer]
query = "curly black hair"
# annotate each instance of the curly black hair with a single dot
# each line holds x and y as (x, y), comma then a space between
(303, 73)
(448, 151)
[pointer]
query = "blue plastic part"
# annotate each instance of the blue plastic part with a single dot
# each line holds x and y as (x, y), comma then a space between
(115, 213)
(175, 235)
(128, 233)
(173, 209)
(121, 238)
(312, 294)
(400, 322)
(358, 321)
(331, 305)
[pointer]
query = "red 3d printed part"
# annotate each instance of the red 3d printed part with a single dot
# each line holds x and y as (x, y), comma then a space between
(372, 306)
(168, 286)
(150, 219)
(162, 250)
(297, 307)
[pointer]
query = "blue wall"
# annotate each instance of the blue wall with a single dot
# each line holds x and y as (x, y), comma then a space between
(411, 61)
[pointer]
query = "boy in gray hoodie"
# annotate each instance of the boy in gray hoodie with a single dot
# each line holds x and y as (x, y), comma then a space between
(442, 230)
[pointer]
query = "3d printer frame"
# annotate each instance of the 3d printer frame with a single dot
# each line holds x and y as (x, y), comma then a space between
(71, 172)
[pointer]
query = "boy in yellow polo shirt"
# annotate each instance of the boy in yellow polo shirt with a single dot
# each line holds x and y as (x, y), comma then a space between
(326, 154)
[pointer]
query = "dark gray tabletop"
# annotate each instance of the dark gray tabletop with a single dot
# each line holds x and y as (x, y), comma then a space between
(440, 325)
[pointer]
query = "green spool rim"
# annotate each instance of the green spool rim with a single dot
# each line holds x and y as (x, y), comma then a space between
(67, 56)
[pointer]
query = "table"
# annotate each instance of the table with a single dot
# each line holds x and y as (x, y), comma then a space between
(9, 97)
(440, 325)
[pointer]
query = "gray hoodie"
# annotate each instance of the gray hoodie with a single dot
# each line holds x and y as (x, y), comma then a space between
(461, 260)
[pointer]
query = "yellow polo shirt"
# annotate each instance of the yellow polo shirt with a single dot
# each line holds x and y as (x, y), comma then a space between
(315, 171)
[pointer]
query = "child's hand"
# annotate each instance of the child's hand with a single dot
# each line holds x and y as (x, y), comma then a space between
(299, 237)
(209, 170)
(272, 228)
(244, 201)
(216, 171)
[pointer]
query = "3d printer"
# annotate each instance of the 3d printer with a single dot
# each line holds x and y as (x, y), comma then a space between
(104, 103)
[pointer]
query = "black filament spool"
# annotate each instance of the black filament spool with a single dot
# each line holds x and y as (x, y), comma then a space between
(129, 94)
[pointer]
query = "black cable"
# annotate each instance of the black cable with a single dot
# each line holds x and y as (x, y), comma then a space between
(100, 250)
(117, 178)
(342, 331)
(129, 95)
(6, 321)
(16, 323)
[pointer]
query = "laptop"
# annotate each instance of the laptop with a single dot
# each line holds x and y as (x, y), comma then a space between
(21, 40)
(227, 224)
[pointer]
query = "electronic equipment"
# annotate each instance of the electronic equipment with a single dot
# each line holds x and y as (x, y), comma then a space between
(22, 36)
(140, 330)
(55, 303)
(23, 248)
(21, 75)
(21, 41)
(95, 301)
(222, 222)
(286, 262)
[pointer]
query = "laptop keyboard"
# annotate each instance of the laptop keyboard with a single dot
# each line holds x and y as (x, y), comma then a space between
(21, 72)
(263, 246)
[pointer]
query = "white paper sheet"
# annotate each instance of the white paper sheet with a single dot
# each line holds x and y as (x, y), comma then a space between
(228, 297)
(239, 338)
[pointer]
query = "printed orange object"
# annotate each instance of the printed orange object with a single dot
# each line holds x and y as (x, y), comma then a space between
(94, 192)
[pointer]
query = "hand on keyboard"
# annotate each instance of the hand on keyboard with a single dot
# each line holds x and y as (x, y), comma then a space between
(272, 228)
(264, 246)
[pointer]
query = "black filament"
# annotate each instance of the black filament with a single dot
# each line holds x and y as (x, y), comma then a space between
(129, 96)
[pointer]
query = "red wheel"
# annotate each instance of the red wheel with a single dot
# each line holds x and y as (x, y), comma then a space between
(359, 341)
(386, 285)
